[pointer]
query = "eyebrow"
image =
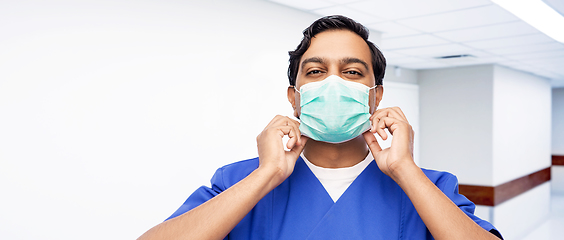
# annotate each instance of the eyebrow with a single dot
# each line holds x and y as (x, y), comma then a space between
(354, 60)
(344, 61)
(312, 60)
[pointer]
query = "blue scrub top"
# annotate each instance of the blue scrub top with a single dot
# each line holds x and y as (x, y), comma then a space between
(373, 207)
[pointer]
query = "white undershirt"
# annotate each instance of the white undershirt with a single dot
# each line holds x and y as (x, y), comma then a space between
(337, 180)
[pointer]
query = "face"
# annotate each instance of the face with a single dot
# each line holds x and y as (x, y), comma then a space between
(336, 52)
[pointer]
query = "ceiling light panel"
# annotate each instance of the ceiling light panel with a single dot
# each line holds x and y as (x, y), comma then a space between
(305, 5)
(537, 14)
(358, 16)
(510, 41)
(391, 29)
(400, 9)
(467, 18)
(412, 41)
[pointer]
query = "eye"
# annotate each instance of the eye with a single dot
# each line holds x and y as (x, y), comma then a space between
(352, 72)
(313, 72)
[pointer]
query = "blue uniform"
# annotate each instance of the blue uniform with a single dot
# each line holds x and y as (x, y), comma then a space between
(373, 207)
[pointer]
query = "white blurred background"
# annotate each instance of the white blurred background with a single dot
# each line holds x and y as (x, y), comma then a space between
(113, 112)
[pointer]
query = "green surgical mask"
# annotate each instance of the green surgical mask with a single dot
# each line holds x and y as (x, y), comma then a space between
(334, 110)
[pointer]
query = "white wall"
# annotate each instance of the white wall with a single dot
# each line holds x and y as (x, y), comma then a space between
(558, 121)
(521, 120)
(398, 74)
(456, 122)
(520, 215)
(557, 138)
(478, 122)
(113, 112)
(557, 179)
(521, 145)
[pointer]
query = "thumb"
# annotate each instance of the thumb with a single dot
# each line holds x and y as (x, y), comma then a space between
(372, 142)
(298, 148)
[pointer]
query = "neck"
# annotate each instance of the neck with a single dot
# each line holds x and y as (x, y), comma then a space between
(330, 155)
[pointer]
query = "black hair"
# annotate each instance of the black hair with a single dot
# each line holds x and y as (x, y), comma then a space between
(332, 23)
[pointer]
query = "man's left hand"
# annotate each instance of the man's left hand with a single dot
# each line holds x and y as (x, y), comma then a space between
(400, 153)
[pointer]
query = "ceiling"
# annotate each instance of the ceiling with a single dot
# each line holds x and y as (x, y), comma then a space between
(415, 33)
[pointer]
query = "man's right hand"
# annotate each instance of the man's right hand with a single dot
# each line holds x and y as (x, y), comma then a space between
(272, 156)
(215, 218)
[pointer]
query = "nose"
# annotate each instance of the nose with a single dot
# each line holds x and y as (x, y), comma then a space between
(334, 71)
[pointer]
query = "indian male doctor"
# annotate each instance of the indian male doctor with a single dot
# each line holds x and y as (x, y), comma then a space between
(335, 181)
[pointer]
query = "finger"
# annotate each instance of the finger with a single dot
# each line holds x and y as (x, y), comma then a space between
(293, 133)
(372, 142)
(291, 142)
(290, 132)
(298, 148)
(393, 125)
(380, 130)
(273, 122)
(388, 123)
(398, 111)
(375, 118)
(296, 137)
(394, 112)
(378, 126)
(378, 111)
(295, 124)
(281, 121)
(286, 121)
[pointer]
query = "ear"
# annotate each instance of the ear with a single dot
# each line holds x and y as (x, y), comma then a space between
(379, 94)
(292, 100)
(375, 98)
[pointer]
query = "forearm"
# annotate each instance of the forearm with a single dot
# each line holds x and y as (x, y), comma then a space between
(215, 218)
(441, 216)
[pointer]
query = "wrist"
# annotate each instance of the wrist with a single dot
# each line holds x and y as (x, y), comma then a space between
(403, 171)
(269, 177)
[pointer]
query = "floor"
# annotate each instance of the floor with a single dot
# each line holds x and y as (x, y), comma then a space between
(553, 228)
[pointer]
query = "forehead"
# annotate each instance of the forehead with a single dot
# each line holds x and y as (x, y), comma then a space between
(335, 45)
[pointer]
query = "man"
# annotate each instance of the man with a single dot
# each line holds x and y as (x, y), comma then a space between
(334, 190)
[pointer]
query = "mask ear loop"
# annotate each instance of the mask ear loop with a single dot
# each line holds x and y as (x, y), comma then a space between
(376, 91)
(297, 90)
(294, 87)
